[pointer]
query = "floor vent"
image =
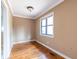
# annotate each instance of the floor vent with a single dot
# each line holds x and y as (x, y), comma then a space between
(52, 54)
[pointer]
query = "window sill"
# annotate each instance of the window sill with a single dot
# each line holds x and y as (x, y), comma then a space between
(49, 36)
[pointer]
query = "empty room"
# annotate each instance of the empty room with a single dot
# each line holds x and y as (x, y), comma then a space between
(38, 29)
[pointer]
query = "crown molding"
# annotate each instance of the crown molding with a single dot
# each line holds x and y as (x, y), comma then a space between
(10, 6)
(38, 14)
(49, 8)
(23, 16)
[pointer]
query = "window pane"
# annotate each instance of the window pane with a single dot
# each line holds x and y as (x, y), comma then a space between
(50, 30)
(50, 20)
(43, 30)
(44, 22)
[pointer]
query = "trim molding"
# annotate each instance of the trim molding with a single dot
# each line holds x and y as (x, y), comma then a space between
(56, 4)
(22, 42)
(10, 51)
(10, 6)
(61, 54)
(23, 16)
(43, 12)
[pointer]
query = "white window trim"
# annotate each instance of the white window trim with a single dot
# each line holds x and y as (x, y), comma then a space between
(48, 15)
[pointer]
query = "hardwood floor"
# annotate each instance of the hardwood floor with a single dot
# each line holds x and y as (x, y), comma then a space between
(32, 50)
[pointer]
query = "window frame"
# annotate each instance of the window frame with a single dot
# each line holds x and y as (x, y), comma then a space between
(45, 18)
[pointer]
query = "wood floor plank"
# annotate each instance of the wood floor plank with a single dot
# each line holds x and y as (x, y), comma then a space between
(32, 50)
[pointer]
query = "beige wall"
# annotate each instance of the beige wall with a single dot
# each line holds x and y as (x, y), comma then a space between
(23, 29)
(64, 31)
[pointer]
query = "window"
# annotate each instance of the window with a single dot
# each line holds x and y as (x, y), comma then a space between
(47, 26)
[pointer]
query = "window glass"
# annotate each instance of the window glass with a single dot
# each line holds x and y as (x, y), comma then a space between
(47, 26)
(44, 22)
(50, 30)
(43, 30)
(50, 20)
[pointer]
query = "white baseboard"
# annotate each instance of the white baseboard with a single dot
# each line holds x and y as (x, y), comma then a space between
(10, 52)
(61, 54)
(21, 42)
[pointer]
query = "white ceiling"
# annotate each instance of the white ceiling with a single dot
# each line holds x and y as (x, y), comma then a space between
(18, 7)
